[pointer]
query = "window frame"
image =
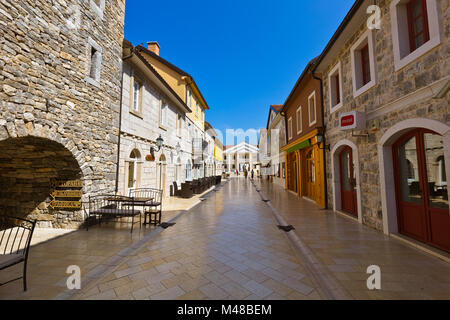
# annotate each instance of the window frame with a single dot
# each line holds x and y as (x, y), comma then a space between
(411, 24)
(99, 59)
(137, 80)
(312, 95)
(403, 55)
(331, 75)
(299, 115)
(290, 129)
(163, 109)
(179, 125)
(359, 87)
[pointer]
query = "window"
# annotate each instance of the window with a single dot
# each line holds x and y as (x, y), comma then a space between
(98, 6)
(416, 29)
(94, 63)
(133, 170)
(137, 94)
(163, 115)
(290, 128)
(312, 109)
(417, 23)
(363, 64)
(188, 172)
(335, 85)
(179, 124)
(189, 97)
(299, 120)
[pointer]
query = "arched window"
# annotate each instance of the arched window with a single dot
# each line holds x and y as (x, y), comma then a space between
(133, 168)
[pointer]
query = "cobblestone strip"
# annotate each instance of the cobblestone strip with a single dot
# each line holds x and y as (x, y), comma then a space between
(327, 282)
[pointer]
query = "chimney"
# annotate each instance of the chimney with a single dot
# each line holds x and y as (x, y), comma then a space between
(153, 46)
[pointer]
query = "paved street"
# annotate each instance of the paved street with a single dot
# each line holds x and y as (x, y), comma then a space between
(347, 248)
(229, 247)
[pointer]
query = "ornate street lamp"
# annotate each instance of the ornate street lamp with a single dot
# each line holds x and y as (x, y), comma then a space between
(320, 137)
(159, 144)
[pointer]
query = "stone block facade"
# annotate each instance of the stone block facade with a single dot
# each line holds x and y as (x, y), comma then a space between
(60, 67)
(399, 101)
(139, 132)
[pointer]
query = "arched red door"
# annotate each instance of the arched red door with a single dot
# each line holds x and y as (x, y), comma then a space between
(348, 182)
(421, 188)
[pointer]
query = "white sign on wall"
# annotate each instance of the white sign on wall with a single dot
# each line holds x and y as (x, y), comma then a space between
(354, 120)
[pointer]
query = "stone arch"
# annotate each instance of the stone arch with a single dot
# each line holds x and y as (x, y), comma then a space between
(136, 148)
(336, 175)
(387, 184)
(28, 164)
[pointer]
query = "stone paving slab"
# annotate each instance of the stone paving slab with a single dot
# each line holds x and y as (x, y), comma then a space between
(218, 250)
(347, 249)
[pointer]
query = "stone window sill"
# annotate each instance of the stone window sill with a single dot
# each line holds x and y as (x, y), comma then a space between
(136, 113)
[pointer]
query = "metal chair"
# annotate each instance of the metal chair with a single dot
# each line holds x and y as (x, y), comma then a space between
(15, 241)
(155, 206)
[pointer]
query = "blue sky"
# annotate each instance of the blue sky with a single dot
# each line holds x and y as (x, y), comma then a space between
(244, 55)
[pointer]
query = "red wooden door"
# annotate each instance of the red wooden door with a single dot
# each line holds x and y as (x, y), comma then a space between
(348, 182)
(421, 188)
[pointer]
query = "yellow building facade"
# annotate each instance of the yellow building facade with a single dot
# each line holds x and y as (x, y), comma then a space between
(180, 81)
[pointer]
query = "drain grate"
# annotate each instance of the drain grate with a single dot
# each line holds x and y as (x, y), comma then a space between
(286, 228)
(166, 225)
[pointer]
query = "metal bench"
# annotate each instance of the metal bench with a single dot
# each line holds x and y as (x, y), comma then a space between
(15, 240)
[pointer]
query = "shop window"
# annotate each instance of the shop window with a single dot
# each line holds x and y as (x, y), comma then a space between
(415, 29)
(363, 64)
(335, 88)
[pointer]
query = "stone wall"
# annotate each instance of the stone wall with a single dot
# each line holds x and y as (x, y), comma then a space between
(140, 131)
(46, 93)
(397, 96)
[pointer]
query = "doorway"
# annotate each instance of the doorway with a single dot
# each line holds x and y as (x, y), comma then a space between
(421, 188)
(162, 174)
(348, 181)
(310, 174)
(292, 172)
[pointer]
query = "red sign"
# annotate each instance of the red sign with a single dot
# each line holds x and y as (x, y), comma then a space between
(348, 120)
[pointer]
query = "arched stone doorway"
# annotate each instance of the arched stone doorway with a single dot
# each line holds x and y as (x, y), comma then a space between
(388, 149)
(28, 165)
(346, 150)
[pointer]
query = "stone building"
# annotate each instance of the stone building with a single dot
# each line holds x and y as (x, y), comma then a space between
(185, 86)
(60, 68)
(151, 109)
(272, 139)
(387, 117)
(241, 157)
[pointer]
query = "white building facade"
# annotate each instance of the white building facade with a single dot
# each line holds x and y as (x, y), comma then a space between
(270, 143)
(151, 110)
(241, 157)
